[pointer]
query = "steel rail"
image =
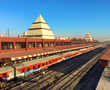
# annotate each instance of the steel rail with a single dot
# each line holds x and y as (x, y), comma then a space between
(73, 76)
(50, 79)
(41, 80)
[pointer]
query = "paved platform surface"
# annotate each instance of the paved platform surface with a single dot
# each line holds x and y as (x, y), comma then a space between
(104, 82)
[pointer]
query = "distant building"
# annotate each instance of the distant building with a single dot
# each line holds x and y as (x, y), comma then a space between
(1, 35)
(39, 29)
(88, 36)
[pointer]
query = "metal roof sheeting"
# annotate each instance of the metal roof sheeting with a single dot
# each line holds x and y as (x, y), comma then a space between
(106, 55)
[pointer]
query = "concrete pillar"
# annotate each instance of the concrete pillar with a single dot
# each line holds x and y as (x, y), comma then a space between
(27, 45)
(14, 45)
(0, 44)
(54, 44)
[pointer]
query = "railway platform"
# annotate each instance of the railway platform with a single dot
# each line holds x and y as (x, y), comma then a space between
(104, 82)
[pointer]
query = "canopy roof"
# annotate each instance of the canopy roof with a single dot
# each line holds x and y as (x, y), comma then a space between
(106, 55)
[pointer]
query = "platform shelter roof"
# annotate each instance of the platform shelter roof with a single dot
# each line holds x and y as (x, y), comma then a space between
(106, 55)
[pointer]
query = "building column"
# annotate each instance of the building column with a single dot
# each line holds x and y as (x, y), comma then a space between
(0, 44)
(43, 45)
(49, 44)
(54, 44)
(27, 45)
(14, 45)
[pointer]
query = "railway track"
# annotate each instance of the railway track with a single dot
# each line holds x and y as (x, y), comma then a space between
(66, 82)
(91, 79)
(55, 72)
(47, 77)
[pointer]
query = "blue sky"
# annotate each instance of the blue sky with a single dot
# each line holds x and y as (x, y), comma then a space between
(65, 17)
